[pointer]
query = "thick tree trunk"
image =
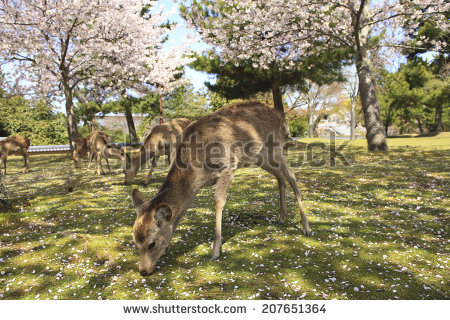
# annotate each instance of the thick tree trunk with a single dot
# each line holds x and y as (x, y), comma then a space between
(353, 119)
(277, 98)
(388, 119)
(376, 139)
(438, 119)
(130, 123)
(72, 127)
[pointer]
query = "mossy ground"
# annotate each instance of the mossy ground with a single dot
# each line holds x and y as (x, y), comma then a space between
(380, 231)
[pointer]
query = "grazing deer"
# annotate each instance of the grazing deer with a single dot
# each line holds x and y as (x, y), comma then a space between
(14, 145)
(100, 147)
(81, 148)
(160, 141)
(208, 153)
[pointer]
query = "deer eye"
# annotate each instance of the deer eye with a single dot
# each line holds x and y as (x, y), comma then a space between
(151, 245)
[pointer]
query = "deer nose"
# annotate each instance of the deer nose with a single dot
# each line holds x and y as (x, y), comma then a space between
(144, 273)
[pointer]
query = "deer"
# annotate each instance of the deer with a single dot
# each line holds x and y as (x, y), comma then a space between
(99, 145)
(160, 141)
(17, 145)
(208, 153)
(81, 148)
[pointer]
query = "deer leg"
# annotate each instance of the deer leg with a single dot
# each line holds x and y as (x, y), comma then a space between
(154, 162)
(90, 157)
(4, 164)
(107, 164)
(98, 164)
(290, 177)
(25, 158)
(282, 189)
(222, 186)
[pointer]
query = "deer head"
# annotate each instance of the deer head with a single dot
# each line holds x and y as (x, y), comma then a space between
(153, 230)
(131, 167)
(79, 151)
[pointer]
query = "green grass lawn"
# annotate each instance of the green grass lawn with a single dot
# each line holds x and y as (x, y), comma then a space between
(380, 231)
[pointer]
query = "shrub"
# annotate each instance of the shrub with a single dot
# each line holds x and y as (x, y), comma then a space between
(298, 126)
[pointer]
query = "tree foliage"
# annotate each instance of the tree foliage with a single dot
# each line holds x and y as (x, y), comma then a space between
(242, 78)
(417, 97)
(58, 45)
(267, 31)
(36, 120)
(298, 125)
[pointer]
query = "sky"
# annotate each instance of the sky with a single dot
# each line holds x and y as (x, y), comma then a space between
(197, 78)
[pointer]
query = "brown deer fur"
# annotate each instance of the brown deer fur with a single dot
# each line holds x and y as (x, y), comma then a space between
(14, 145)
(209, 152)
(100, 147)
(81, 148)
(159, 142)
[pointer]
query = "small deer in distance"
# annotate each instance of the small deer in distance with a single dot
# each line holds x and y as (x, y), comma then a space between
(81, 148)
(96, 145)
(208, 153)
(101, 147)
(160, 141)
(17, 145)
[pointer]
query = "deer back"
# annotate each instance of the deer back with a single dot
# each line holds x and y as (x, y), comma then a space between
(14, 144)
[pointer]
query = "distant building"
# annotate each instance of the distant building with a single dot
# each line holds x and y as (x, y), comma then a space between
(118, 121)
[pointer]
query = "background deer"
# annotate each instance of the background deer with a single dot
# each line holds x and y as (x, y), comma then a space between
(160, 141)
(209, 152)
(81, 148)
(14, 145)
(100, 146)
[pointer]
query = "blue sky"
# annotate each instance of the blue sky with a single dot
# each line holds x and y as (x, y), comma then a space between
(197, 78)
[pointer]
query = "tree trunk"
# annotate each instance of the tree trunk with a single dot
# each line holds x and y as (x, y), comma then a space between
(277, 98)
(376, 138)
(316, 126)
(130, 123)
(419, 124)
(161, 120)
(438, 119)
(310, 121)
(353, 119)
(388, 119)
(71, 117)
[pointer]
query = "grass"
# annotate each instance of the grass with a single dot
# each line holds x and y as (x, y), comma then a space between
(380, 231)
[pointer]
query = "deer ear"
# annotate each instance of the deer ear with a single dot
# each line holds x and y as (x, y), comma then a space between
(162, 214)
(138, 199)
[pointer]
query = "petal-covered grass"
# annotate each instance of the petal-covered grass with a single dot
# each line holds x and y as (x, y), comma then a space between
(380, 231)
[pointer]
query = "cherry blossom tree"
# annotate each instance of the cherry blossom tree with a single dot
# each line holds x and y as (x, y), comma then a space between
(319, 101)
(59, 45)
(277, 30)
